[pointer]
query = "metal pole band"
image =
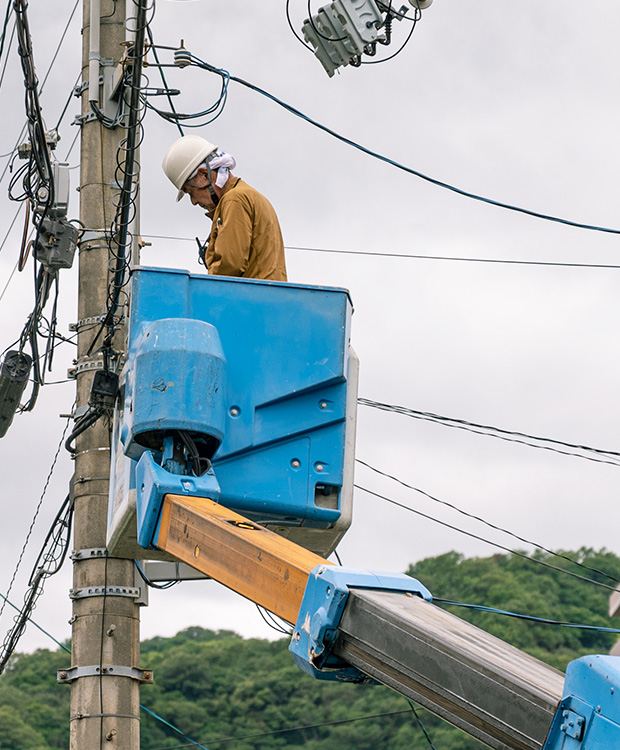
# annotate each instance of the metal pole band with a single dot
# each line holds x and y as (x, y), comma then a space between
(89, 554)
(65, 676)
(132, 593)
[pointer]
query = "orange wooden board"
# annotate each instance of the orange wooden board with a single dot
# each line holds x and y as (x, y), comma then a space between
(242, 555)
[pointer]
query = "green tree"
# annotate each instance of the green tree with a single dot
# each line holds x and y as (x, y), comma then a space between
(215, 685)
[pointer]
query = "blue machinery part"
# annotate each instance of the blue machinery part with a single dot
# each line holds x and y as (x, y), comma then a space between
(588, 717)
(321, 610)
(256, 378)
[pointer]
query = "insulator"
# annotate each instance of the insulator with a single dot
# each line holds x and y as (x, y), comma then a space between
(182, 57)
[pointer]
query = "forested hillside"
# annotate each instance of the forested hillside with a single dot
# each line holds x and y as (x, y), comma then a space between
(227, 692)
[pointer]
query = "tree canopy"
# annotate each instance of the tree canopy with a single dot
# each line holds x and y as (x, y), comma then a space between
(228, 692)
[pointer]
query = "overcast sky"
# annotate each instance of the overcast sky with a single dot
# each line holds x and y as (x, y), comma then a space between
(514, 101)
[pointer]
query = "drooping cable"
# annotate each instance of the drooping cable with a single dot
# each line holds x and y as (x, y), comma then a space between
(292, 28)
(270, 621)
(163, 77)
(278, 732)
(378, 254)
(409, 170)
(471, 535)
(421, 724)
(49, 562)
(445, 503)
(529, 618)
(35, 515)
(512, 436)
(152, 584)
(35, 179)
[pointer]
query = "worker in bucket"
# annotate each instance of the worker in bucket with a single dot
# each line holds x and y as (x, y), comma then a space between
(245, 237)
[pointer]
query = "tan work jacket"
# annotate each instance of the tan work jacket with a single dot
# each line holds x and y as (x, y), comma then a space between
(245, 239)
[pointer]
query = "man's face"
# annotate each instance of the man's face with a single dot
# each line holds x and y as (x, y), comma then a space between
(198, 190)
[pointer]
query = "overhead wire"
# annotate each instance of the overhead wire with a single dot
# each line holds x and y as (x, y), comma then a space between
(292, 28)
(421, 724)
(381, 157)
(69, 99)
(191, 743)
(271, 621)
(7, 16)
(529, 618)
(212, 112)
(36, 514)
(516, 553)
(152, 584)
(42, 86)
(435, 257)
(493, 526)
(379, 254)
(257, 735)
(163, 78)
(49, 562)
(35, 178)
(6, 59)
(36, 624)
(511, 436)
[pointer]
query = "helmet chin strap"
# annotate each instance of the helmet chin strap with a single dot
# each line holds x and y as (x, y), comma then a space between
(214, 197)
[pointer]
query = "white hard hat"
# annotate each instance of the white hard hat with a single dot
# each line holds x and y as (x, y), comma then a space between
(184, 156)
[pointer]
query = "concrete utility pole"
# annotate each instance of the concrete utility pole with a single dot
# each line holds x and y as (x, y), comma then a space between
(105, 624)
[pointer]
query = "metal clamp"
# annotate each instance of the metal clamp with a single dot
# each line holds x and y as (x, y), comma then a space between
(81, 119)
(66, 676)
(88, 591)
(88, 364)
(80, 88)
(100, 236)
(89, 554)
(321, 610)
(87, 322)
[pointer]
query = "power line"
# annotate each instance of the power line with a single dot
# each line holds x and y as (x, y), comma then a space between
(421, 724)
(69, 98)
(530, 618)
(36, 514)
(439, 257)
(285, 731)
(163, 78)
(409, 170)
(49, 562)
(488, 430)
(412, 256)
(482, 539)
(292, 28)
(159, 718)
(32, 622)
(49, 70)
(489, 524)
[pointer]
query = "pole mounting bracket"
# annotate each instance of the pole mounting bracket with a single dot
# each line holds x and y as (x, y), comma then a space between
(93, 320)
(66, 676)
(88, 591)
(89, 554)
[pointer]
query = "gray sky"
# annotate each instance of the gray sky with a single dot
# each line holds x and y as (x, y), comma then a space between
(514, 101)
